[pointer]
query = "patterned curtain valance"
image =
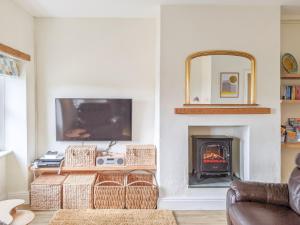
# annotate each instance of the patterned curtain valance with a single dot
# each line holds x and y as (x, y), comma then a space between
(8, 66)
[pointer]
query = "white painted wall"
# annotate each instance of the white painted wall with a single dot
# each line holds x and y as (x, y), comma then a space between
(187, 29)
(95, 58)
(17, 31)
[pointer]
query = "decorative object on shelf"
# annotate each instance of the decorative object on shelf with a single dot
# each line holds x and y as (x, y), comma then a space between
(291, 130)
(141, 190)
(110, 159)
(229, 85)
(283, 133)
(78, 191)
(80, 156)
(202, 84)
(142, 155)
(196, 99)
(110, 145)
(289, 63)
(109, 191)
(49, 160)
(290, 92)
(46, 192)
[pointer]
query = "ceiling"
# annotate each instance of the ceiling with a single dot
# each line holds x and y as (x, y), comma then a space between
(129, 8)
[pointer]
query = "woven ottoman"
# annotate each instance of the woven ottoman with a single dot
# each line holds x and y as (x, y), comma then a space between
(46, 192)
(78, 191)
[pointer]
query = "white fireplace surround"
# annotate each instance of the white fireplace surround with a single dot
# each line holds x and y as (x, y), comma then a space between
(209, 198)
(177, 182)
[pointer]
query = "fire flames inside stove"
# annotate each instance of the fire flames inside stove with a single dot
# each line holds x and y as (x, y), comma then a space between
(213, 154)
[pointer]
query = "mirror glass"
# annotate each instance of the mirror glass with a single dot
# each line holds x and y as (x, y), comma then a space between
(220, 79)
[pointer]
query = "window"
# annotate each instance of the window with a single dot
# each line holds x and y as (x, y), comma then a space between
(9, 67)
(2, 111)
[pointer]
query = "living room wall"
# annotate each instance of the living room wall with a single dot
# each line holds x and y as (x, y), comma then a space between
(187, 29)
(95, 58)
(17, 31)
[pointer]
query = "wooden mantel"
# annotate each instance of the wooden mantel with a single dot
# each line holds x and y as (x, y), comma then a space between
(219, 110)
(14, 52)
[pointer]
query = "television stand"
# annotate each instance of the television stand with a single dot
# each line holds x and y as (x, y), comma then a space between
(39, 171)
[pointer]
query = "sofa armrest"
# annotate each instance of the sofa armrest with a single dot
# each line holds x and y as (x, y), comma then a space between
(230, 199)
(277, 194)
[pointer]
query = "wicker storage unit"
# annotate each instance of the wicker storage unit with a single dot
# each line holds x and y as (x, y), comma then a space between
(80, 156)
(46, 192)
(141, 191)
(140, 155)
(109, 191)
(78, 191)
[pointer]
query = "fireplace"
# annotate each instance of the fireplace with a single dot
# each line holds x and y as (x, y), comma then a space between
(211, 156)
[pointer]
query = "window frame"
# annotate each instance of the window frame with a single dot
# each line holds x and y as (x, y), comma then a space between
(2, 113)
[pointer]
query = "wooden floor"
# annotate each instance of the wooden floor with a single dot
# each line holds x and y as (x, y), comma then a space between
(182, 217)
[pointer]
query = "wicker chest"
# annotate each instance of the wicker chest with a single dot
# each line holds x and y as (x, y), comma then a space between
(46, 192)
(140, 155)
(81, 156)
(78, 191)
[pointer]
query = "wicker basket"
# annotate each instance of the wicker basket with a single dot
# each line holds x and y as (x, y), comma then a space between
(46, 192)
(140, 155)
(78, 191)
(109, 191)
(141, 191)
(80, 156)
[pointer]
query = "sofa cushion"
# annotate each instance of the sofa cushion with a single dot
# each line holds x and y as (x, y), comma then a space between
(294, 190)
(253, 213)
(277, 194)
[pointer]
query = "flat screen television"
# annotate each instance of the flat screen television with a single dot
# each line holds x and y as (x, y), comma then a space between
(82, 119)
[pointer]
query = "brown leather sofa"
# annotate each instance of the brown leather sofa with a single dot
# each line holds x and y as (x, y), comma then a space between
(254, 203)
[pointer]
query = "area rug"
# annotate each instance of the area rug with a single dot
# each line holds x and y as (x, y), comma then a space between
(113, 217)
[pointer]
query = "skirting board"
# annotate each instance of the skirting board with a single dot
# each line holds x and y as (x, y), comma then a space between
(3, 197)
(19, 195)
(191, 204)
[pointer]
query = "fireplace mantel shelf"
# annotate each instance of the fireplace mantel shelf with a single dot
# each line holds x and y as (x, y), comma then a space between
(222, 110)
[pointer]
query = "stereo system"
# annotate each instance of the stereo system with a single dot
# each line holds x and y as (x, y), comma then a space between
(110, 160)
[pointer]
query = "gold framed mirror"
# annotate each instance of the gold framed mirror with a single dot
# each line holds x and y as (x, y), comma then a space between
(220, 77)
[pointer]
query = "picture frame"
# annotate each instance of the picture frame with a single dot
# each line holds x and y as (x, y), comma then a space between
(229, 85)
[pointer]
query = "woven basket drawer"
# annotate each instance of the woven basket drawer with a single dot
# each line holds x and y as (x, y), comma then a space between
(46, 192)
(141, 191)
(109, 191)
(80, 156)
(78, 191)
(141, 155)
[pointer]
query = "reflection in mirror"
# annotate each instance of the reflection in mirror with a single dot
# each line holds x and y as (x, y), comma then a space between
(220, 79)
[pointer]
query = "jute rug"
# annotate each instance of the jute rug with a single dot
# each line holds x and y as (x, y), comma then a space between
(113, 217)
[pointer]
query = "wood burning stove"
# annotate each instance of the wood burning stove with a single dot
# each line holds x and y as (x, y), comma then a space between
(212, 156)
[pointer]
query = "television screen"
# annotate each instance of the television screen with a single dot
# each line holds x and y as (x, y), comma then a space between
(93, 119)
